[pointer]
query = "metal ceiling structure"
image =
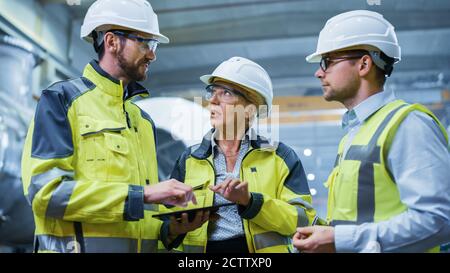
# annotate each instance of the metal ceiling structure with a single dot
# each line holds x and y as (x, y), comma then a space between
(278, 35)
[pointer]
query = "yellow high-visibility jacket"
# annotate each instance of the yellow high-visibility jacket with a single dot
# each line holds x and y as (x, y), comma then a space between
(280, 194)
(88, 153)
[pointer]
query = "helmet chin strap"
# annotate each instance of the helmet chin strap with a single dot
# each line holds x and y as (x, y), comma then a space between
(98, 36)
(382, 61)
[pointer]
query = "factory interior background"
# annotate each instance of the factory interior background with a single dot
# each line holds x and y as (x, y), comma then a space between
(40, 44)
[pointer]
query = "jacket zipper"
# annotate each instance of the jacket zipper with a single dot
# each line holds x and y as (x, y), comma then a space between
(127, 117)
(135, 142)
(214, 197)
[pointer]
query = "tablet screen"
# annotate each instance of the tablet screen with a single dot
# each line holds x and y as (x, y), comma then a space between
(191, 212)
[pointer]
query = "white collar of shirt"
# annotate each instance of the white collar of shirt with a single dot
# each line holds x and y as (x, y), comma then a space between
(366, 108)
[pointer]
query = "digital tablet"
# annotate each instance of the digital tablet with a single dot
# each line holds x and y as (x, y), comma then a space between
(191, 212)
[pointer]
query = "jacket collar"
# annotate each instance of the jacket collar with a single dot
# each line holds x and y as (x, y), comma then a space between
(111, 85)
(204, 150)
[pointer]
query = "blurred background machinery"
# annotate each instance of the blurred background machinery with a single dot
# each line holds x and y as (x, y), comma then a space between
(180, 123)
(43, 46)
(16, 109)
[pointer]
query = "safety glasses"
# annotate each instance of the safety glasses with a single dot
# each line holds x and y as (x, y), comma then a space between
(150, 44)
(223, 93)
(326, 62)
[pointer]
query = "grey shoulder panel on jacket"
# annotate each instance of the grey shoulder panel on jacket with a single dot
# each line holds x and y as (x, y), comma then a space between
(296, 180)
(179, 170)
(52, 134)
(71, 89)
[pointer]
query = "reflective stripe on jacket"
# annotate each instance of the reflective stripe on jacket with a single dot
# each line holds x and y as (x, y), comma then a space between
(281, 196)
(361, 187)
(88, 153)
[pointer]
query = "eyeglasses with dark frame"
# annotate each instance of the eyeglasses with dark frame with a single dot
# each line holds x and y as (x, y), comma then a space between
(325, 62)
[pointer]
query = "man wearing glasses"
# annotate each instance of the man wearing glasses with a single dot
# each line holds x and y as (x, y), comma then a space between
(389, 190)
(89, 163)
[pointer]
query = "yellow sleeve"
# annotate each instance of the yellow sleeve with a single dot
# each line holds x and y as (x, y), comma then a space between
(48, 173)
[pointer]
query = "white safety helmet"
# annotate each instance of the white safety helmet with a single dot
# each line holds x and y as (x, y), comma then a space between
(248, 74)
(135, 15)
(359, 29)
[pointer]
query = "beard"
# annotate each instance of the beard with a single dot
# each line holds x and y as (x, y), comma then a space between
(131, 70)
(342, 93)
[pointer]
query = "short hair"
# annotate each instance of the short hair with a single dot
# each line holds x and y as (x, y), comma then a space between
(380, 74)
(99, 48)
(254, 98)
(101, 51)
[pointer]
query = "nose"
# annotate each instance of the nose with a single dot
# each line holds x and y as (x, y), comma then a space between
(151, 55)
(319, 73)
(214, 99)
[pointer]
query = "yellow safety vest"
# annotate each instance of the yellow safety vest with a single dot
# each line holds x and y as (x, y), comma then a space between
(361, 188)
(88, 153)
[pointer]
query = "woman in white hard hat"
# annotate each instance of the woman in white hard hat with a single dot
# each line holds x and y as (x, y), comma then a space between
(266, 182)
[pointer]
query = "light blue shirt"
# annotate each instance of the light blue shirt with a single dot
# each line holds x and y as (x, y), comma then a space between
(229, 225)
(419, 161)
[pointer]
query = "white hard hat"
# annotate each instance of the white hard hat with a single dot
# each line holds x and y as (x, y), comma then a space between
(359, 28)
(248, 74)
(135, 15)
